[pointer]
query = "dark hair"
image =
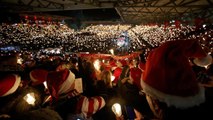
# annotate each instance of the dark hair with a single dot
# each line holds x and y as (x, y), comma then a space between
(210, 70)
(125, 72)
(39, 114)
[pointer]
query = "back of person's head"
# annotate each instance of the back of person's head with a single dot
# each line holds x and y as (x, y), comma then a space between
(21, 101)
(39, 114)
(125, 72)
(106, 77)
(168, 77)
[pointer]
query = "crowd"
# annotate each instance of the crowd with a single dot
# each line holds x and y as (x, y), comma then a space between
(96, 38)
(170, 79)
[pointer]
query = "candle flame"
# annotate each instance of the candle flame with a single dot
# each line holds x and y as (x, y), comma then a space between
(111, 51)
(97, 64)
(112, 77)
(30, 98)
(116, 108)
(45, 84)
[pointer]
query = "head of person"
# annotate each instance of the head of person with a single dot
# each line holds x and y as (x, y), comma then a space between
(60, 82)
(168, 76)
(106, 77)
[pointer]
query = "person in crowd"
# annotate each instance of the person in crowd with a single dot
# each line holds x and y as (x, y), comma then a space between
(170, 84)
(89, 77)
(210, 71)
(14, 95)
(105, 89)
(66, 99)
(130, 90)
(63, 97)
(38, 80)
(39, 114)
(142, 61)
(200, 67)
(117, 72)
(74, 67)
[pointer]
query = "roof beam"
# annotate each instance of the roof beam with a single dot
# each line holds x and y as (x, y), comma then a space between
(119, 13)
(177, 6)
(186, 3)
(20, 5)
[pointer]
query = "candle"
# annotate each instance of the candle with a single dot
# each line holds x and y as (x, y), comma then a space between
(116, 108)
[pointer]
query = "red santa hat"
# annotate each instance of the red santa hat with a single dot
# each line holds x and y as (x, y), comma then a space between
(135, 75)
(38, 76)
(89, 106)
(9, 84)
(60, 82)
(169, 77)
(117, 72)
(113, 65)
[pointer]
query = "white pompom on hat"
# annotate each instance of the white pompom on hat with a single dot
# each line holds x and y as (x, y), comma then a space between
(204, 61)
(38, 76)
(9, 84)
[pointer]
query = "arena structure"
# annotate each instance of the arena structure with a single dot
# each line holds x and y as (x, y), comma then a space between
(106, 59)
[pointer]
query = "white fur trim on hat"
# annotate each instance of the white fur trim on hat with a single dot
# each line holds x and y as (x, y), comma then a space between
(177, 101)
(15, 86)
(203, 61)
(68, 84)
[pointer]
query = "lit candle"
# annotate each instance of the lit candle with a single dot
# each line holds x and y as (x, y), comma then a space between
(30, 98)
(112, 77)
(97, 64)
(116, 108)
(45, 84)
(111, 51)
(20, 60)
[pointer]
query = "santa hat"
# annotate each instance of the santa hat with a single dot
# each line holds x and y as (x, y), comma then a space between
(205, 61)
(60, 82)
(38, 76)
(89, 106)
(135, 75)
(117, 72)
(169, 77)
(9, 84)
